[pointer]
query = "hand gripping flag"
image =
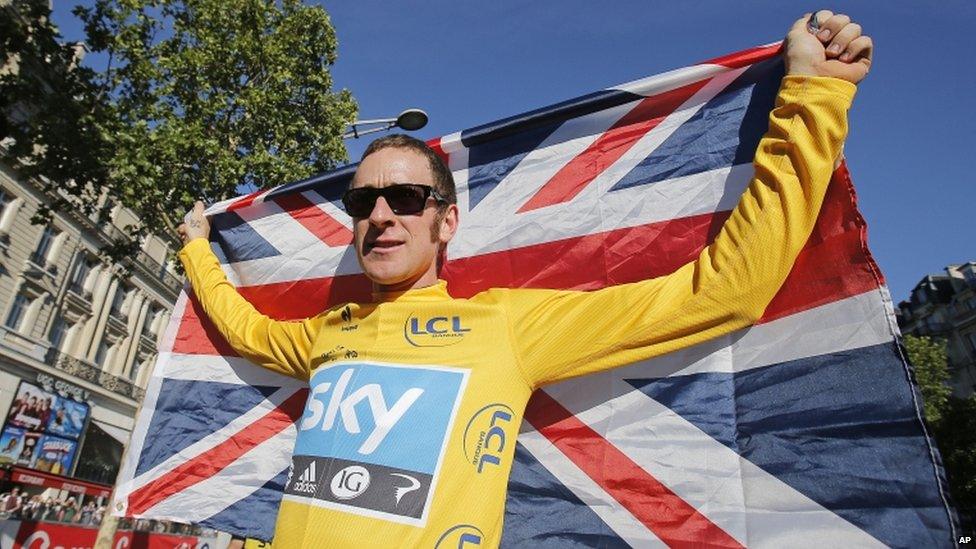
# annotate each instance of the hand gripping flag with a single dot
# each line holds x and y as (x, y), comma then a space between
(803, 429)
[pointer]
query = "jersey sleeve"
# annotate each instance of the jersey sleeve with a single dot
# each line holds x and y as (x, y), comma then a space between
(281, 346)
(562, 334)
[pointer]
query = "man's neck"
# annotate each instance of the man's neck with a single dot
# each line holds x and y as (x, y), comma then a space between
(425, 280)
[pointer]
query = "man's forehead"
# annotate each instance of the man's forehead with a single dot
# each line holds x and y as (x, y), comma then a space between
(390, 166)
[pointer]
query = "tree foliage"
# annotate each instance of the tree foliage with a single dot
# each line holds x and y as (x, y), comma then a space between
(195, 99)
(50, 112)
(952, 420)
(932, 373)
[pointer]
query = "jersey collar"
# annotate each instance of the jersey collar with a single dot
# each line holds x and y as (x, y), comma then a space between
(434, 292)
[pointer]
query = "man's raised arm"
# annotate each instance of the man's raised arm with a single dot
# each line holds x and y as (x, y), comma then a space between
(278, 345)
(561, 334)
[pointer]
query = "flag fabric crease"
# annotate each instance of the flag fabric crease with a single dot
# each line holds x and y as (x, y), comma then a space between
(802, 429)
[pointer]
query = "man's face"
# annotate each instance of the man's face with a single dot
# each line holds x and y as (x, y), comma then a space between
(399, 252)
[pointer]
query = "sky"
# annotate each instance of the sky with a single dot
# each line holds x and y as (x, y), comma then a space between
(913, 124)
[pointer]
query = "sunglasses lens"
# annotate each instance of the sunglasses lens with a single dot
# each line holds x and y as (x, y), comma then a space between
(360, 202)
(406, 199)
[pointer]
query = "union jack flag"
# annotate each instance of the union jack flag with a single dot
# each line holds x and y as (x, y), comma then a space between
(803, 429)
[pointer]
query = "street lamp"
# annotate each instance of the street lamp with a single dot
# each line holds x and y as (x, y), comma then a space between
(410, 120)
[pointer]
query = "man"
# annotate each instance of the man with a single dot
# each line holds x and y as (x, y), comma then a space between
(383, 457)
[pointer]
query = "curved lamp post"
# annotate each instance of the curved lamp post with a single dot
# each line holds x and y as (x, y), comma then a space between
(410, 120)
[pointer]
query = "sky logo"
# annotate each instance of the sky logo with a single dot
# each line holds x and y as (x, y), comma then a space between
(342, 403)
(393, 415)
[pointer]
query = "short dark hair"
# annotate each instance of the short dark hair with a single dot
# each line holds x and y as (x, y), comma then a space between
(443, 178)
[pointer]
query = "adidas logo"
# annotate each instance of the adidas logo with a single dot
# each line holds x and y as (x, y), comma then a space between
(306, 483)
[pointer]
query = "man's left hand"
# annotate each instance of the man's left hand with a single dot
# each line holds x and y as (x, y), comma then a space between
(838, 50)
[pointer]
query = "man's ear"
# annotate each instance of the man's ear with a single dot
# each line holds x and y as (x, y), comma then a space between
(448, 224)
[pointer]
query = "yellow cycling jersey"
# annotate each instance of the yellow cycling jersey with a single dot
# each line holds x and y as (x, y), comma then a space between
(416, 398)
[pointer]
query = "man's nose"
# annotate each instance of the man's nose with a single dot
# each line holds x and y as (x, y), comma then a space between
(382, 214)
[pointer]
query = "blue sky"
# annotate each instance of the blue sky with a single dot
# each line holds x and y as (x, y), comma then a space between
(913, 125)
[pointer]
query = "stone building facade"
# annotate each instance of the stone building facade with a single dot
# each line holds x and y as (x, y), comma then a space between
(73, 327)
(944, 306)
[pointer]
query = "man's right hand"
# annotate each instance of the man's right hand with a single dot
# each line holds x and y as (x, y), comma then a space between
(195, 224)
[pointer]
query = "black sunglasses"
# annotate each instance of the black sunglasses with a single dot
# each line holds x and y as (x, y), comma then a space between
(403, 198)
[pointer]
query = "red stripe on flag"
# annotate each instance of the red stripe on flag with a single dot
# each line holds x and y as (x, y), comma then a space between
(572, 178)
(435, 144)
(211, 462)
(672, 519)
(746, 57)
(319, 223)
(244, 201)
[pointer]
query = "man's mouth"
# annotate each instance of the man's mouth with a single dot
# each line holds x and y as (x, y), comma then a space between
(382, 246)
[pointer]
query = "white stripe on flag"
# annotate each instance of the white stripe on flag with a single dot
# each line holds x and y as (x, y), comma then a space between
(234, 482)
(667, 81)
(223, 369)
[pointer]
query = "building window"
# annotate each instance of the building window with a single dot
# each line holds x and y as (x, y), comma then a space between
(58, 329)
(134, 372)
(39, 257)
(9, 204)
(147, 325)
(101, 353)
(118, 300)
(17, 311)
(83, 267)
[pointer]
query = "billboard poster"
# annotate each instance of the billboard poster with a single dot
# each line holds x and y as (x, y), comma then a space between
(28, 448)
(40, 411)
(54, 455)
(11, 444)
(68, 418)
(31, 409)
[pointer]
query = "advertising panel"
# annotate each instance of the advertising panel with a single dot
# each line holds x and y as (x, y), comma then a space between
(28, 449)
(40, 411)
(54, 455)
(11, 444)
(68, 418)
(31, 408)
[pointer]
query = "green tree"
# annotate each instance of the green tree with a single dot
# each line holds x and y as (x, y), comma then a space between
(50, 112)
(931, 363)
(952, 420)
(196, 98)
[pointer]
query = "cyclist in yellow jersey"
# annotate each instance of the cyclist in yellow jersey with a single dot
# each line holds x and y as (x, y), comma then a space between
(415, 397)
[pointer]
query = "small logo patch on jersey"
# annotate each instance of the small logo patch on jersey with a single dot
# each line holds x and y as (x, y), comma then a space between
(486, 436)
(435, 331)
(377, 433)
(462, 536)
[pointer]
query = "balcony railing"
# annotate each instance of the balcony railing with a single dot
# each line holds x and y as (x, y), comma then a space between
(160, 271)
(154, 267)
(82, 369)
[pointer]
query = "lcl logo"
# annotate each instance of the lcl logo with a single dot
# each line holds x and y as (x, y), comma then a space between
(438, 331)
(485, 436)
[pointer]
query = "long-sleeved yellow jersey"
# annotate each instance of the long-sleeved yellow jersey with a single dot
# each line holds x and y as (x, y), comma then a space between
(416, 398)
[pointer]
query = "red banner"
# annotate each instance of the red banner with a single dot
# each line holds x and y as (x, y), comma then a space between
(47, 535)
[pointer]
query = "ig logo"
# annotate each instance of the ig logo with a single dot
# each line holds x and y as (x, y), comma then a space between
(485, 437)
(350, 482)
